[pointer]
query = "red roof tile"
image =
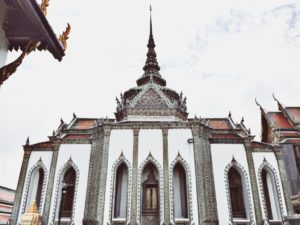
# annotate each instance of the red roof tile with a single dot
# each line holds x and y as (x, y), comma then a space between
(294, 113)
(290, 133)
(292, 141)
(7, 195)
(220, 124)
(84, 124)
(278, 120)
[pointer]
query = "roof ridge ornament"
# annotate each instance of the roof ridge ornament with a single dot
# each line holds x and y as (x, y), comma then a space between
(65, 36)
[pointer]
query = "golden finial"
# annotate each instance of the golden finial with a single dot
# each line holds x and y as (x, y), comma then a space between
(43, 6)
(33, 208)
(65, 36)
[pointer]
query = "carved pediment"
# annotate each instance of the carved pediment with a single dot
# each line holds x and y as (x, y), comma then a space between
(151, 99)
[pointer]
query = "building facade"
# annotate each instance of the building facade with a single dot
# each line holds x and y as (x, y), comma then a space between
(7, 196)
(152, 164)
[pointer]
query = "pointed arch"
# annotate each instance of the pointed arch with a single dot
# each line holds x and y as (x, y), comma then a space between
(270, 193)
(150, 159)
(179, 159)
(58, 189)
(36, 170)
(246, 191)
(121, 160)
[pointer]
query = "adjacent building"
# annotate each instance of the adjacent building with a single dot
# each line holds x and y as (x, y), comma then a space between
(282, 128)
(23, 26)
(6, 204)
(153, 164)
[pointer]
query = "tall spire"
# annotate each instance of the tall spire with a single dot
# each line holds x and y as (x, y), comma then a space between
(151, 65)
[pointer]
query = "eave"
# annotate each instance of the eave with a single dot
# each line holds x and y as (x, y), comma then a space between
(24, 22)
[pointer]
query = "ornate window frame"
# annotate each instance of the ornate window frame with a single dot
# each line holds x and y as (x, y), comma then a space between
(60, 177)
(246, 187)
(183, 162)
(266, 165)
(150, 159)
(114, 168)
(31, 172)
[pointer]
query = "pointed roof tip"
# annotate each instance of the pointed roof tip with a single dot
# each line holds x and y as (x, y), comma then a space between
(278, 102)
(151, 33)
(258, 104)
(151, 65)
(27, 141)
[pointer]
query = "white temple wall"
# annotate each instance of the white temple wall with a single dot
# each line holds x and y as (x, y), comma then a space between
(177, 143)
(35, 156)
(80, 155)
(3, 40)
(258, 158)
(150, 140)
(222, 155)
(120, 141)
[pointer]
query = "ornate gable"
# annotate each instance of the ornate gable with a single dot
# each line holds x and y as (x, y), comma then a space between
(151, 99)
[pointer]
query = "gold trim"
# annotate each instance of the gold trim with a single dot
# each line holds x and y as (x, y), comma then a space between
(65, 36)
(8, 70)
(43, 6)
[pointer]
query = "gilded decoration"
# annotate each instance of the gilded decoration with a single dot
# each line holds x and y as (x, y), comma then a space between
(65, 36)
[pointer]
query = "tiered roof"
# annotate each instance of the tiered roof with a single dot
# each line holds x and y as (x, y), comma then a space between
(281, 126)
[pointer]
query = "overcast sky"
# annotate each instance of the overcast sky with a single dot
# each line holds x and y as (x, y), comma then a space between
(221, 54)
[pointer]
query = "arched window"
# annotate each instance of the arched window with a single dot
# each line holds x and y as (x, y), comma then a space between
(121, 189)
(270, 195)
(180, 192)
(236, 194)
(36, 187)
(150, 195)
(67, 194)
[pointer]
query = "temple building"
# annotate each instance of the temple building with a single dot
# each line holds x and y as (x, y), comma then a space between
(282, 127)
(23, 26)
(153, 164)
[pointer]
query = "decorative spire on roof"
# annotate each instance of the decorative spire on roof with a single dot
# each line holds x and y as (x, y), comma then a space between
(151, 65)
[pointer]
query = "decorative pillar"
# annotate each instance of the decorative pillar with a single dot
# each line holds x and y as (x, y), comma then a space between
(253, 181)
(50, 185)
(207, 206)
(32, 216)
(284, 179)
(133, 210)
(93, 185)
(103, 173)
(19, 192)
(166, 178)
